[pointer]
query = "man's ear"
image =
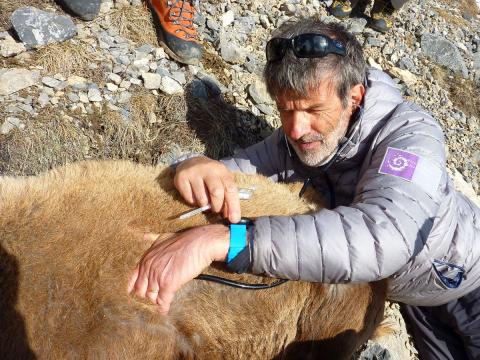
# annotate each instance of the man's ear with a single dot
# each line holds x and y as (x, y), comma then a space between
(356, 96)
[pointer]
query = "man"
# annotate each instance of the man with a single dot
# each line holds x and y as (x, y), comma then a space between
(173, 21)
(380, 162)
(381, 15)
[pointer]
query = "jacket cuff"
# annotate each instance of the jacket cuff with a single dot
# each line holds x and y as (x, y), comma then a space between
(178, 160)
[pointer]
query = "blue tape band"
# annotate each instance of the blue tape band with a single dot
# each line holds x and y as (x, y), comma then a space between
(238, 240)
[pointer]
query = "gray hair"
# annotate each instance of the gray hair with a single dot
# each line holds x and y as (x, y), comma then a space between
(300, 75)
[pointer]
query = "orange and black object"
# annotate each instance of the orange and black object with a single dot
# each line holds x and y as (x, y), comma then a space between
(177, 34)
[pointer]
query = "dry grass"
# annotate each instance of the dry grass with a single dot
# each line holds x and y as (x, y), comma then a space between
(468, 7)
(452, 18)
(47, 142)
(463, 92)
(215, 64)
(70, 57)
(134, 23)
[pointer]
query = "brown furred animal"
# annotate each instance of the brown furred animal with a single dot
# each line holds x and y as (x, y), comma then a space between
(69, 238)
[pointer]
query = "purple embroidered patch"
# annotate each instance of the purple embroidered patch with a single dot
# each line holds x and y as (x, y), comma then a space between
(399, 163)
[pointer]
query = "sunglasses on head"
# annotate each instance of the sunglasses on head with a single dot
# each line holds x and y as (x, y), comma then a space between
(304, 46)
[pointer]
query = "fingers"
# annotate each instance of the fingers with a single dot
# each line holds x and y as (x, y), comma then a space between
(164, 300)
(182, 184)
(199, 192)
(232, 201)
(217, 193)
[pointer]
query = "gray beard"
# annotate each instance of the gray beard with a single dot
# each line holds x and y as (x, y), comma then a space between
(327, 148)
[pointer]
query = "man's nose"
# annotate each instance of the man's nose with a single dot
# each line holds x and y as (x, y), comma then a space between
(299, 126)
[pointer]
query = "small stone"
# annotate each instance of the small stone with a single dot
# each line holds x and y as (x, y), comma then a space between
(112, 87)
(13, 80)
(116, 79)
(264, 21)
(152, 81)
(232, 53)
(73, 97)
(76, 80)
(124, 97)
(171, 86)
(406, 76)
(43, 99)
(258, 93)
(289, 9)
(264, 108)
(9, 47)
(135, 81)
(180, 77)
(159, 53)
(152, 118)
(356, 25)
(54, 100)
(83, 98)
(50, 82)
(125, 84)
(94, 95)
(373, 41)
(227, 18)
(9, 124)
(35, 27)
(374, 64)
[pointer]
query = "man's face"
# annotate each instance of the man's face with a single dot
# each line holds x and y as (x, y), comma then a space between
(315, 124)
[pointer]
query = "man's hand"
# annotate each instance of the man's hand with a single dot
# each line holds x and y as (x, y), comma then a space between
(169, 264)
(201, 180)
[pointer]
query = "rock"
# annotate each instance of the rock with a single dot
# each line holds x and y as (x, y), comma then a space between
(73, 97)
(180, 77)
(406, 76)
(375, 352)
(53, 83)
(116, 79)
(288, 8)
(258, 93)
(9, 47)
(152, 81)
(232, 53)
(43, 99)
(444, 53)
(35, 27)
(75, 80)
(373, 41)
(124, 97)
(94, 95)
(125, 84)
(407, 64)
(356, 25)
(476, 61)
(170, 86)
(9, 124)
(264, 108)
(227, 18)
(13, 80)
(111, 87)
(371, 61)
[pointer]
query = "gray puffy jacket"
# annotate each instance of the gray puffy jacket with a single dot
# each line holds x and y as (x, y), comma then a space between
(397, 214)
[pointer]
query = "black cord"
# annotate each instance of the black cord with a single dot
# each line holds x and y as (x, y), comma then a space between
(238, 284)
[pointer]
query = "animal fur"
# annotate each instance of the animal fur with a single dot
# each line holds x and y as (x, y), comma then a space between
(69, 239)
